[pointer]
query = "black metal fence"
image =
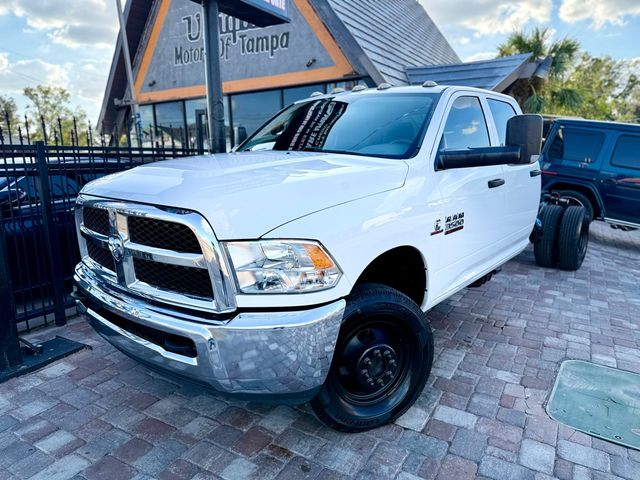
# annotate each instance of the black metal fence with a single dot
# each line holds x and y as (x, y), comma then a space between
(39, 183)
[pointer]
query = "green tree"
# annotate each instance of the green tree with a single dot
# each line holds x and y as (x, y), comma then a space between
(609, 91)
(51, 106)
(8, 115)
(535, 94)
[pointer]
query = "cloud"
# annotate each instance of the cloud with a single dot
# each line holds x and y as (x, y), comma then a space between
(489, 17)
(599, 12)
(481, 56)
(73, 23)
(23, 73)
(85, 79)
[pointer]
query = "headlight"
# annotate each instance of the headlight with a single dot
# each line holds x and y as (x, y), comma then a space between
(282, 266)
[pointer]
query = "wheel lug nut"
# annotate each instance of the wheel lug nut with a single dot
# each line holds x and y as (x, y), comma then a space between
(389, 374)
(387, 353)
(365, 373)
(367, 361)
(392, 363)
(370, 382)
(377, 353)
(380, 382)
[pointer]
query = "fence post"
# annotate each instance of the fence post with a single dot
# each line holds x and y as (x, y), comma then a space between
(52, 249)
(10, 352)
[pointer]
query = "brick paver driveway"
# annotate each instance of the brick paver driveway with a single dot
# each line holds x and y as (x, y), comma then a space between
(98, 414)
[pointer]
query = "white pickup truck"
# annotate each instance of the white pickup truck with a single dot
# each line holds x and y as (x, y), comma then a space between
(300, 267)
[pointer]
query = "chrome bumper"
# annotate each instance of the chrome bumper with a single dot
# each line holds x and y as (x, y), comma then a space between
(264, 353)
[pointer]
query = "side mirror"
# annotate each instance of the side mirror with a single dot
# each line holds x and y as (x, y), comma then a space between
(525, 132)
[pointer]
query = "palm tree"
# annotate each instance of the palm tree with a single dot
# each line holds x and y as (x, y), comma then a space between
(538, 94)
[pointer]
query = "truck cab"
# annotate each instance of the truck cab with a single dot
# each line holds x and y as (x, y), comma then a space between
(300, 266)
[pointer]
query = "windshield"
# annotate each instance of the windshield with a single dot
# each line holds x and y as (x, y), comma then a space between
(389, 125)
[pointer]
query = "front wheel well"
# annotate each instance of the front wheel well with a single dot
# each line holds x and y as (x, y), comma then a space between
(401, 268)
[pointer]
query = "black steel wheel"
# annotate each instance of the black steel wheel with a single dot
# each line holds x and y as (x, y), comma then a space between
(545, 246)
(381, 362)
(574, 238)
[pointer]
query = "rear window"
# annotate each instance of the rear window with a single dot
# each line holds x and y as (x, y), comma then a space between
(576, 145)
(501, 112)
(627, 152)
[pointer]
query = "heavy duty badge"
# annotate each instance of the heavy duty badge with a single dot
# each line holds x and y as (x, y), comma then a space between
(454, 223)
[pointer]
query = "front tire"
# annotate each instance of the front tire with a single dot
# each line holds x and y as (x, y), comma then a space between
(381, 362)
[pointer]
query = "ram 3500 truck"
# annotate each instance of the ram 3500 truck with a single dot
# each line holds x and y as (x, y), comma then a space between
(300, 267)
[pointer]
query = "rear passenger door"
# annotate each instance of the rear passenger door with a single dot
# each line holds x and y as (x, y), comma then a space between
(620, 180)
(522, 181)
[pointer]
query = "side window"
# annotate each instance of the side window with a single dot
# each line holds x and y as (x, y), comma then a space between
(501, 112)
(466, 126)
(62, 186)
(576, 145)
(627, 152)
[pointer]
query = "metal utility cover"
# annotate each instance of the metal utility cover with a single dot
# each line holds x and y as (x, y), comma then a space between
(600, 401)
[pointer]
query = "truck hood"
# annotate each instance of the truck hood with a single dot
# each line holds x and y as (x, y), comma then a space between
(245, 195)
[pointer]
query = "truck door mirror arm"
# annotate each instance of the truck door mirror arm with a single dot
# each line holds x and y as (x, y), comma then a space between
(477, 157)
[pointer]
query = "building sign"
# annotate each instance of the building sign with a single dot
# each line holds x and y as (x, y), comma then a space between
(251, 58)
(259, 12)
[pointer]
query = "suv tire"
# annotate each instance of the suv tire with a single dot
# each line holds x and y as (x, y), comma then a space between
(381, 362)
(574, 238)
(580, 200)
(545, 247)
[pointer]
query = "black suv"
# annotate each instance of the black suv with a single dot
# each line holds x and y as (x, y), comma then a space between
(596, 165)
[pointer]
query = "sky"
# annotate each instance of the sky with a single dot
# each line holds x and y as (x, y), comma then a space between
(69, 43)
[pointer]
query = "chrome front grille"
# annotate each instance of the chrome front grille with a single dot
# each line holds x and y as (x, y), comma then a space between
(160, 234)
(167, 255)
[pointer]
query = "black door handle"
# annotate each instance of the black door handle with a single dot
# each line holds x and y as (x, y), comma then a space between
(534, 173)
(610, 181)
(496, 182)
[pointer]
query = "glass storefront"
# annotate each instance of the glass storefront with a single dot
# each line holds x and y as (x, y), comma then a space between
(251, 110)
(170, 128)
(185, 121)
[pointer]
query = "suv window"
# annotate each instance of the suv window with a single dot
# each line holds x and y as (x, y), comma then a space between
(576, 145)
(466, 126)
(627, 152)
(62, 186)
(501, 112)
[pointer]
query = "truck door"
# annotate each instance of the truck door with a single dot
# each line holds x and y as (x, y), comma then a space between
(469, 234)
(522, 181)
(620, 180)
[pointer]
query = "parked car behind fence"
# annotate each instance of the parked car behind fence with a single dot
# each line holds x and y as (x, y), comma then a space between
(39, 184)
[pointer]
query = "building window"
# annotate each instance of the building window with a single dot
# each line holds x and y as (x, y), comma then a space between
(198, 126)
(292, 95)
(251, 110)
(147, 122)
(170, 129)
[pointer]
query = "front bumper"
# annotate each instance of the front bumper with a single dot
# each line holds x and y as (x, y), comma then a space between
(271, 354)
